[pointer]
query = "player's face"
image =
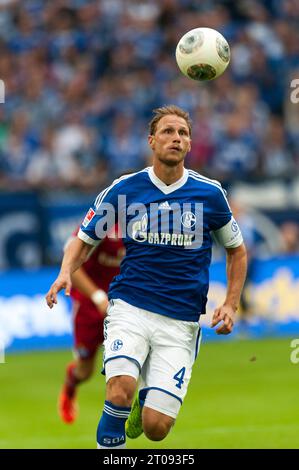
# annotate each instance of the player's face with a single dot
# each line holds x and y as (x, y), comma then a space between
(171, 141)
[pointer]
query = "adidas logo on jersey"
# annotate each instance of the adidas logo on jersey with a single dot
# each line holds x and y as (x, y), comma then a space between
(164, 205)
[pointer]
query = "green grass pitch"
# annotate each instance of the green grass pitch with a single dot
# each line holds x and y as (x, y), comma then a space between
(242, 395)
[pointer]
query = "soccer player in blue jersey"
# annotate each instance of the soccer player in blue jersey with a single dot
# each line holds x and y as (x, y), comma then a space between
(152, 333)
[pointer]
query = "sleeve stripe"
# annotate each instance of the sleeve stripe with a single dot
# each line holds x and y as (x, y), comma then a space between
(102, 195)
(85, 238)
(208, 180)
(216, 185)
(96, 201)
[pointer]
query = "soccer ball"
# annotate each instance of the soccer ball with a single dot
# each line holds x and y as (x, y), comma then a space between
(202, 54)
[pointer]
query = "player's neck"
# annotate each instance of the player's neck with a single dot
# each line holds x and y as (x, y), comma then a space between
(168, 174)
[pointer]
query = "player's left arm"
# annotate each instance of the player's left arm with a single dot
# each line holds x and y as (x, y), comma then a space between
(236, 268)
(228, 234)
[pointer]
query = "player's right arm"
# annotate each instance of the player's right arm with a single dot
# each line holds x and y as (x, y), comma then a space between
(102, 214)
(75, 254)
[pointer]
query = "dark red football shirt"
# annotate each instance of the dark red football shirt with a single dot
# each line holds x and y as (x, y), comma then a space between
(103, 263)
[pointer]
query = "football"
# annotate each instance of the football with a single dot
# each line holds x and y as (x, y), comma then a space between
(202, 54)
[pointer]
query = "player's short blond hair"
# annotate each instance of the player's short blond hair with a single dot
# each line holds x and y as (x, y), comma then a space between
(166, 111)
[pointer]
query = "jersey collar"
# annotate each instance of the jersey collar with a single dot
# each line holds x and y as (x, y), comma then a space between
(167, 189)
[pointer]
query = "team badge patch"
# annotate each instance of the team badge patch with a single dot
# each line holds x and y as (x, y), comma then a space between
(117, 345)
(89, 216)
(234, 226)
(188, 219)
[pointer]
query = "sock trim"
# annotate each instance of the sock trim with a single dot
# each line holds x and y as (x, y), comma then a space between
(117, 413)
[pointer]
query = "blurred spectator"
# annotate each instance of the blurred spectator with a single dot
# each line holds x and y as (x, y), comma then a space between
(290, 237)
(247, 225)
(277, 155)
(202, 141)
(124, 141)
(236, 153)
(74, 151)
(42, 170)
(16, 152)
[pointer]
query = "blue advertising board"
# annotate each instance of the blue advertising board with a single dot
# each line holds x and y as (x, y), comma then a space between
(34, 228)
(272, 294)
(26, 323)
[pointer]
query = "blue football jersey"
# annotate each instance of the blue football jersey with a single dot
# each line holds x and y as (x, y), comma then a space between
(166, 230)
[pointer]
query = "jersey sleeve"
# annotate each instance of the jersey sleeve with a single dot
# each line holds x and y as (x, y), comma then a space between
(229, 235)
(101, 217)
(219, 211)
(225, 229)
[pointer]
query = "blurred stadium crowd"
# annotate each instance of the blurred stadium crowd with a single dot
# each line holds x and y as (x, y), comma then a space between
(82, 77)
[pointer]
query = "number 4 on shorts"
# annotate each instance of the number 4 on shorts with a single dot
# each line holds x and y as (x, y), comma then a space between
(179, 376)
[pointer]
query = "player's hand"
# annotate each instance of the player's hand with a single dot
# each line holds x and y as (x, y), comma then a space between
(62, 282)
(225, 315)
(100, 299)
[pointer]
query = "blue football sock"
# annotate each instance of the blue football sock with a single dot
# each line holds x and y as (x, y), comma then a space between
(142, 397)
(111, 428)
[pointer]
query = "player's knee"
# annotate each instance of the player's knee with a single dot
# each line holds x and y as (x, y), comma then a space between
(156, 425)
(120, 390)
(155, 431)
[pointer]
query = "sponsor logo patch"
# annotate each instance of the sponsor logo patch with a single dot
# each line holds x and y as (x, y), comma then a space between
(89, 216)
(164, 205)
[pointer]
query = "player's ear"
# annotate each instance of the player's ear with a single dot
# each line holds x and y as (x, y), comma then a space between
(151, 140)
(189, 148)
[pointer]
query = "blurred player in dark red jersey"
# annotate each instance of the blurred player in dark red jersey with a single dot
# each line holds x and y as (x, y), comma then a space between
(90, 285)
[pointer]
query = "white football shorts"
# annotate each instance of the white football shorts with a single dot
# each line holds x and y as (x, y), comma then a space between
(163, 349)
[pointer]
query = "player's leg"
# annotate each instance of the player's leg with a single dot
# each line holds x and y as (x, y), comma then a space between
(153, 411)
(166, 375)
(88, 335)
(156, 425)
(85, 368)
(126, 348)
(77, 372)
(120, 391)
